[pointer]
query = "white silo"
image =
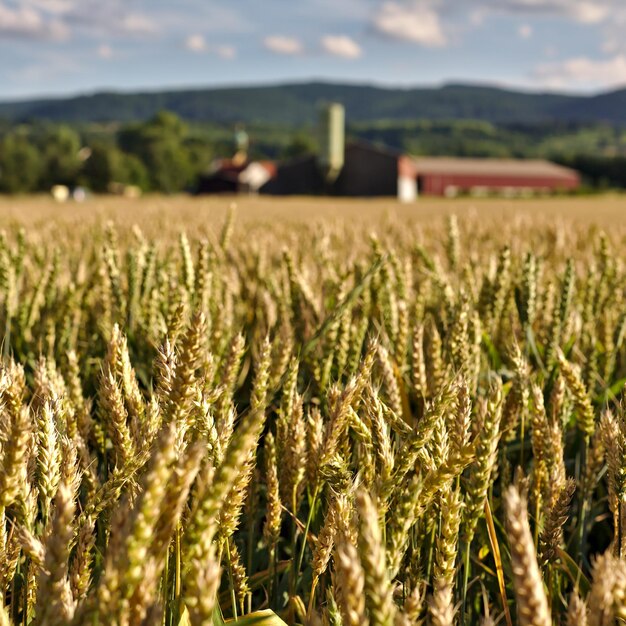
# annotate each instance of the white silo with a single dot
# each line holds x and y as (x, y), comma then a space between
(332, 139)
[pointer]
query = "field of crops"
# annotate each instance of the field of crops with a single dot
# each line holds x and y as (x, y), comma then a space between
(330, 413)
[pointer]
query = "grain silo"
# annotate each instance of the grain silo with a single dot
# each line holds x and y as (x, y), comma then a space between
(332, 139)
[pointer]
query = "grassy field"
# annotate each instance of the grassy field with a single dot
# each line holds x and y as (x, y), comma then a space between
(327, 412)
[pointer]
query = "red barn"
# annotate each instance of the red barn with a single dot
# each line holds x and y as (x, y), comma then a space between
(449, 176)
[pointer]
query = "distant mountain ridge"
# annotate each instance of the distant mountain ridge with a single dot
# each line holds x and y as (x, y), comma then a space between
(297, 103)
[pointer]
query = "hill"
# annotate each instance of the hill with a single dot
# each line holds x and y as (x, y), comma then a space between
(297, 104)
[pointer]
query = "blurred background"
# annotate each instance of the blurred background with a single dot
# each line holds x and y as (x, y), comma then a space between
(156, 96)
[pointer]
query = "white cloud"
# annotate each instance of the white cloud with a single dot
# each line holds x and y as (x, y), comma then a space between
(112, 20)
(196, 43)
(525, 31)
(283, 45)
(583, 72)
(583, 11)
(590, 13)
(416, 21)
(105, 51)
(56, 19)
(341, 46)
(137, 23)
(437, 23)
(226, 52)
(27, 21)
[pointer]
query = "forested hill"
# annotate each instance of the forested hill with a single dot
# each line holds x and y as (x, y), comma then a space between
(297, 104)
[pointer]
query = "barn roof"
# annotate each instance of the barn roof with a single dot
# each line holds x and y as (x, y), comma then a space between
(492, 167)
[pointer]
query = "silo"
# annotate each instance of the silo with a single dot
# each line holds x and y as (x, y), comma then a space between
(332, 139)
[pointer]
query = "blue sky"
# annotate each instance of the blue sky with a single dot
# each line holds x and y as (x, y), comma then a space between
(74, 46)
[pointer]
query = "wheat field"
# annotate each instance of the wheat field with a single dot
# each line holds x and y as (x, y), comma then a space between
(317, 412)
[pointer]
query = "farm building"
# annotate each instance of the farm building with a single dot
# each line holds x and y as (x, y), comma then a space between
(365, 170)
(358, 168)
(300, 176)
(236, 176)
(449, 176)
(372, 171)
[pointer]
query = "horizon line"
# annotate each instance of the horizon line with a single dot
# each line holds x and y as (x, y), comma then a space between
(97, 91)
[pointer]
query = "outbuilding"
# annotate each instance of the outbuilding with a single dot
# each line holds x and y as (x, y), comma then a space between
(370, 170)
(445, 176)
(233, 176)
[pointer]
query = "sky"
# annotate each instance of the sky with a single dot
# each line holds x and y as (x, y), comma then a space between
(79, 46)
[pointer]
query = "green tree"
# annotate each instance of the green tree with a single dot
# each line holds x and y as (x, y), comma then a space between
(299, 145)
(101, 168)
(133, 172)
(20, 165)
(107, 164)
(200, 153)
(60, 146)
(160, 144)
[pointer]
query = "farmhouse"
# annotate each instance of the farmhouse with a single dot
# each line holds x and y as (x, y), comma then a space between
(449, 176)
(236, 176)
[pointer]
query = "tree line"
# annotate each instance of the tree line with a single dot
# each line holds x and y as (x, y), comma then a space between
(157, 155)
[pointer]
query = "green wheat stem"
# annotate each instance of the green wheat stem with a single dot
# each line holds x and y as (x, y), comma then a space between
(231, 581)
